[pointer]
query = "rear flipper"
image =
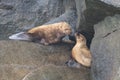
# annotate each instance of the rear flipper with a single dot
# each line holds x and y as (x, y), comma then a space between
(20, 36)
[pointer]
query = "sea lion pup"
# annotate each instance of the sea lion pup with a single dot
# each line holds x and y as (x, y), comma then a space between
(45, 34)
(80, 53)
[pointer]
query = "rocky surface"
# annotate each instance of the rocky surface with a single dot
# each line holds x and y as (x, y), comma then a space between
(115, 3)
(28, 53)
(20, 15)
(95, 12)
(21, 60)
(105, 50)
(51, 72)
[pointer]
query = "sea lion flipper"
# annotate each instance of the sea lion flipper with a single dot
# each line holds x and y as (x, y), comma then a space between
(67, 40)
(20, 36)
(72, 63)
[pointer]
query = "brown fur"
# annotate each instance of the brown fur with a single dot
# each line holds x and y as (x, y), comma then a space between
(51, 33)
(80, 51)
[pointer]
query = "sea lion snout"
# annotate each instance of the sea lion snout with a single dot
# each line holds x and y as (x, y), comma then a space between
(77, 33)
(68, 31)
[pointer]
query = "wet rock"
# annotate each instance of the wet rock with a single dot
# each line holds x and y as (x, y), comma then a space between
(105, 50)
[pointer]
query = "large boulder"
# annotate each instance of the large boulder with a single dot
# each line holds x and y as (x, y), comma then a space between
(105, 50)
(20, 15)
(95, 12)
(115, 3)
(18, 59)
(33, 54)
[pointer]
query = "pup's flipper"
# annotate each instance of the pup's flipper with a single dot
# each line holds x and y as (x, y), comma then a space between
(20, 36)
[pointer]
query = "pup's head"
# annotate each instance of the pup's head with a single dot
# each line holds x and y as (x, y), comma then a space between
(80, 38)
(65, 28)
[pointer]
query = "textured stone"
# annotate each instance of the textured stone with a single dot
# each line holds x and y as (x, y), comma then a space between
(105, 50)
(19, 58)
(20, 15)
(115, 3)
(28, 53)
(51, 72)
(14, 71)
(95, 12)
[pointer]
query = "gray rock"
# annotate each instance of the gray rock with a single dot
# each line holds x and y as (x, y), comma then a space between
(96, 11)
(81, 7)
(115, 3)
(52, 72)
(18, 59)
(105, 50)
(20, 15)
(28, 53)
(14, 71)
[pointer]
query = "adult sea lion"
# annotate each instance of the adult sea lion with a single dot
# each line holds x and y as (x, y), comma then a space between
(80, 53)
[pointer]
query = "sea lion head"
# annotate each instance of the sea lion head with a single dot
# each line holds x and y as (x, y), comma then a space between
(80, 38)
(65, 28)
(67, 31)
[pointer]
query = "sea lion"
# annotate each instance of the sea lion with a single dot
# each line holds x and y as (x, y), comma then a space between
(80, 52)
(45, 34)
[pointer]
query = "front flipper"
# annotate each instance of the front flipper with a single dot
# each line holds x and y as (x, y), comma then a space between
(42, 41)
(67, 40)
(72, 63)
